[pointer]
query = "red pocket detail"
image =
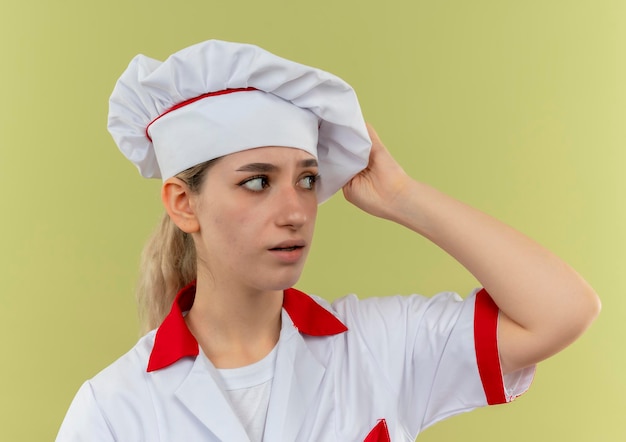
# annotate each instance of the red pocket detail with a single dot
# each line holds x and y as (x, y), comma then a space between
(380, 433)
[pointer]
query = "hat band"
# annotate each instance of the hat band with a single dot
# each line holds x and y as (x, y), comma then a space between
(193, 100)
(222, 125)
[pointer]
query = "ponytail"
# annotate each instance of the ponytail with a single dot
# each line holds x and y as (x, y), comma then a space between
(168, 261)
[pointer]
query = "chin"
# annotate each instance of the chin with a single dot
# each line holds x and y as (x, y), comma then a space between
(283, 282)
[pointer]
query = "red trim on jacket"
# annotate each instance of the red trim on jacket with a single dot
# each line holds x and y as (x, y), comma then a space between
(486, 344)
(174, 341)
(309, 317)
(380, 433)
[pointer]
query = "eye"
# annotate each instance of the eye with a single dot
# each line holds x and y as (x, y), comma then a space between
(308, 182)
(255, 184)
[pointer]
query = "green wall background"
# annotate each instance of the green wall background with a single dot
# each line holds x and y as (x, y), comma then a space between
(515, 107)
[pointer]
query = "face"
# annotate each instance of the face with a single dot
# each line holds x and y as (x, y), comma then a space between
(256, 210)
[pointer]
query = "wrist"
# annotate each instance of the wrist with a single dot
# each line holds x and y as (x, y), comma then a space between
(400, 206)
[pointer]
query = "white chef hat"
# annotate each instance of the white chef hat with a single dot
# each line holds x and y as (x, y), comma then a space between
(217, 98)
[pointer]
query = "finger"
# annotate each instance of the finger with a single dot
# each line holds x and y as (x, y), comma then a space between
(379, 150)
(373, 135)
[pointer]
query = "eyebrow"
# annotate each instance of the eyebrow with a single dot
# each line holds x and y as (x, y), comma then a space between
(268, 167)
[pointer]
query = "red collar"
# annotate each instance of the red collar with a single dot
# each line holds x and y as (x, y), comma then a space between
(174, 341)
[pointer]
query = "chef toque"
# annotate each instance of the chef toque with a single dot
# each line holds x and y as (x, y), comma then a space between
(216, 98)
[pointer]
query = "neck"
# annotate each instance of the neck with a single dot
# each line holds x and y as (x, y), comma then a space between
(235, 327)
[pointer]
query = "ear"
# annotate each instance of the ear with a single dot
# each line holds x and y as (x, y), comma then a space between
(179, 204)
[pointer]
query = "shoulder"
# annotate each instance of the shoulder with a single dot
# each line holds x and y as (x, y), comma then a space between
(390, 323)
(444, 306)
(127, 372)
(120, 388)
(137, 356)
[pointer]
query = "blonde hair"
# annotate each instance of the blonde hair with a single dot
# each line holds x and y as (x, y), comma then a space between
(168, 261)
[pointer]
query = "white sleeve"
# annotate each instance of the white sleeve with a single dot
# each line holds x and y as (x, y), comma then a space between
(84, 421)
(466, 358)
(439, 354)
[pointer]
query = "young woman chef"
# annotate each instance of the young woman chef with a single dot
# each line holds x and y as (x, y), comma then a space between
(247, 145)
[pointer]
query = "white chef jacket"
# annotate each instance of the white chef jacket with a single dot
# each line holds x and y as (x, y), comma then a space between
(378, 369)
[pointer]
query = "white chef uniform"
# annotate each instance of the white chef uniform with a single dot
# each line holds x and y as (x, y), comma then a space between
(357, 370)
(373, 370)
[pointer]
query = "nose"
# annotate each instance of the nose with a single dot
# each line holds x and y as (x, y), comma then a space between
(294, 208)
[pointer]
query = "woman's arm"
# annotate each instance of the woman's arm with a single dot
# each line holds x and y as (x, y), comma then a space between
(544, 304)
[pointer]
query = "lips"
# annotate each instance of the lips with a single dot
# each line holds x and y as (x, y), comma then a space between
(286, 249)
(288, 252)
(288, 246)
